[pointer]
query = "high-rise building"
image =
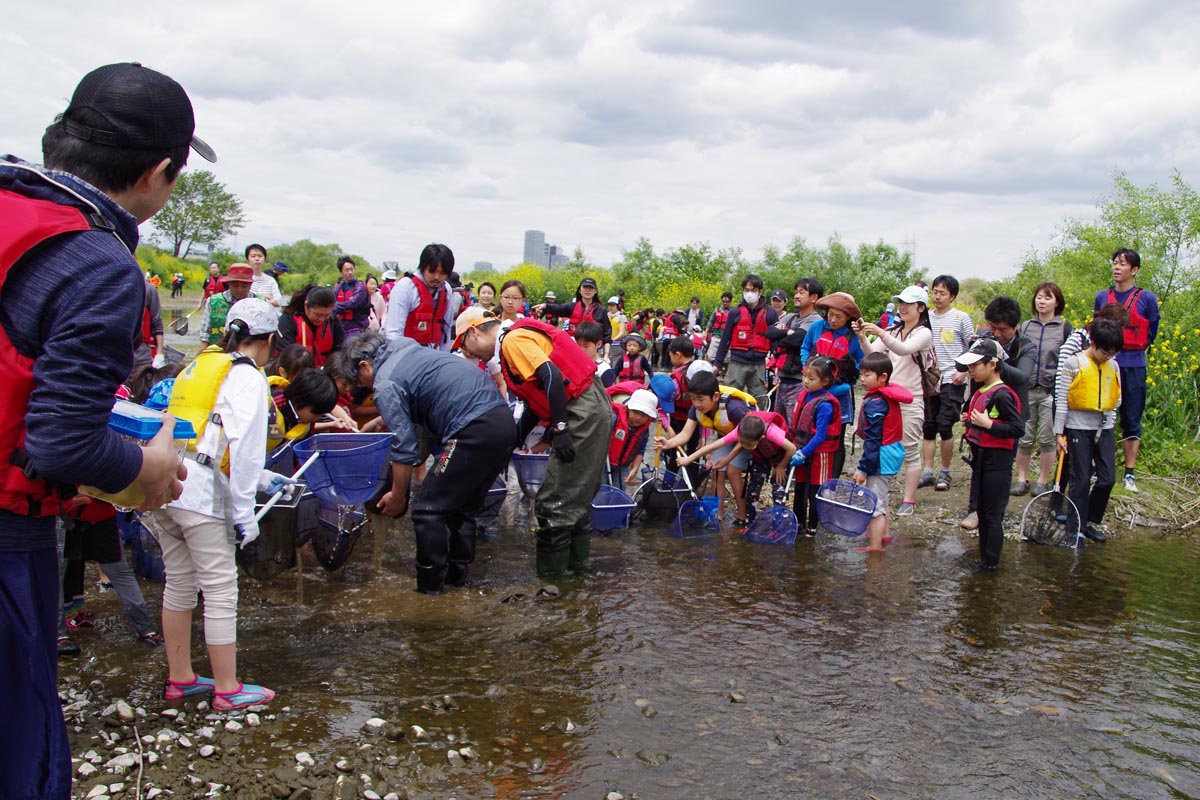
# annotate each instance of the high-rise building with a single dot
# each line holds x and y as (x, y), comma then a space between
(535, 248)
(482, 265)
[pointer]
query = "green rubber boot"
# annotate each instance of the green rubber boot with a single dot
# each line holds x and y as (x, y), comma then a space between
(553, 551)
(581, 549)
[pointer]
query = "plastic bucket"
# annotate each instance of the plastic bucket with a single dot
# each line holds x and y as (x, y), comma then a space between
(350, 467)
(531, 470)
(610, 509)
(844, 507)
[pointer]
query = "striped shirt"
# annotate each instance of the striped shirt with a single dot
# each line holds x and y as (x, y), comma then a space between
(952, 334)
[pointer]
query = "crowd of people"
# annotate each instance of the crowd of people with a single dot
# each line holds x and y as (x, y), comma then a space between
(461, 381)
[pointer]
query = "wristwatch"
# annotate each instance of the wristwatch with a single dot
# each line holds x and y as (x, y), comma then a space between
(559, 427)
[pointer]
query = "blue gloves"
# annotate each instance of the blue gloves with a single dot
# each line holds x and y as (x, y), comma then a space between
(798, 459)
(278, 483)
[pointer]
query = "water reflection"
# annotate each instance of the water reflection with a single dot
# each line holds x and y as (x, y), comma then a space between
(710, 668)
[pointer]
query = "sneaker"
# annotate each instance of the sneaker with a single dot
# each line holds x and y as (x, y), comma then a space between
(67, 648)
(943, 482)
(247, 695)
(1131, 484)
(1018, 489)
(1040, 489)
(83, 618)
(926, 479)
(153, 639)
(174, 690)
(906, 509)
(970, 522)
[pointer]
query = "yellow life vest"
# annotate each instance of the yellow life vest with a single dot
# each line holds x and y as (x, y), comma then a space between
(1096, 387)
(276, 432)
(719, 420)
(195, 395)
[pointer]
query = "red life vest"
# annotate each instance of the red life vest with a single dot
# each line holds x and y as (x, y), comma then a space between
(147, 334)
(983, 436)
(320, 341)
(893, 423)
(344, 294)
(631, 368)
(576, 366)
(579, 314)
(625, 388)
(683, 400)
(27, 224)
(749, 331)
(1137, 332)
(627, 441)
(464, 296)
(768, 452)
(834, 345)
(212, 285)
(425, 322)
(804, 421)
(385, 289)
(719, 318)
(669, 329)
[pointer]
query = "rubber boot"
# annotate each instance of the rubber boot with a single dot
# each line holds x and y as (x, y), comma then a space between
(581, 548)
(430, 579)
(553, 551)
(456, 573)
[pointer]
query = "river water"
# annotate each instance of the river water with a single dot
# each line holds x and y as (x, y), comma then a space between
(711, 668)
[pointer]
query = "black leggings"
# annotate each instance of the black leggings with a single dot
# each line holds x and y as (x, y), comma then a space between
(991, 478)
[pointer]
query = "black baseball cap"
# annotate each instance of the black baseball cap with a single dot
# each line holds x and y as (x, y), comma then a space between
(142, 110)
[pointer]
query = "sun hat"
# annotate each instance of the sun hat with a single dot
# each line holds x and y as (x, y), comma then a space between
(982, 349)
(912, 294)
(280, 266)
(257, 313)
(664, 388)
(550, 295)
(141, 110)
(471, 317)
(842, 302)
(389, 275)
(633, 337)
(239, 273)
(643, 401)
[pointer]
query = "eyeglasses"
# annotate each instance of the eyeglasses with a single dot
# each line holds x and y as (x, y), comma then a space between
(515, 298)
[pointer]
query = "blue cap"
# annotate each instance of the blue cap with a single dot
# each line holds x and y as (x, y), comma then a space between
(280, 266)
(664, 387)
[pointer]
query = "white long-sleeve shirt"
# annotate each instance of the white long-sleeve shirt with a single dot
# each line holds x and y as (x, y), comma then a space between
(242, 402)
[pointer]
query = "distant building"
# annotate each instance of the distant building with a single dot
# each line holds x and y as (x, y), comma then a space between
(556, 258)
(536, 251)
(482, 266)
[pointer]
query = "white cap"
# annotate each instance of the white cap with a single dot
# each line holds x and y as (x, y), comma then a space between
(258, 314)
(389, 275)
(912, 294)
(645, 401)
(614, 301)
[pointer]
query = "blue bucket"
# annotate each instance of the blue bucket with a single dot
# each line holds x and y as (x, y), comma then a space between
(144, 552)
(350, 467)
(844, 507)
(531, 470)
(610, 509)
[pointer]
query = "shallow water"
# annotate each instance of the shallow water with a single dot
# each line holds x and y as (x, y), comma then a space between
(812, 671)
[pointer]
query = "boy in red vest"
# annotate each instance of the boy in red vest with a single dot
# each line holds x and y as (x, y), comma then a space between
(630, 432)
(633, 365)
(881, 428)
(993, 426)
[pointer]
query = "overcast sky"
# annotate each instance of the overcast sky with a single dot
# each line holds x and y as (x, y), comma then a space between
(969, 134)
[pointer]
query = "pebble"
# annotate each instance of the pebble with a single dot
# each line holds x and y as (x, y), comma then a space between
(469, 753)
(737, 697)
(207, 732)
(418, 733)
(233, 726)
(375, 725)
(537, 766)
(202, 706)
(125, 711)
(153, 793)
(371, 794)
(648, 711)
(167, 735)
(97, 790)
(123, 761)
(92, 756)
(184, 742)
(455, 759)
(86, 770)
(207, 750)
(169, 713)
(116, 788)
(305, 760)
(614, 796)
(391, 796)
(253, 720)
(343, 765)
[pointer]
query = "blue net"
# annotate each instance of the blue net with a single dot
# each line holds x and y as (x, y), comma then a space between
(775, 525)
(610, 509)
(696, 517)
(350, 467)
(531, 470)
(844, 507)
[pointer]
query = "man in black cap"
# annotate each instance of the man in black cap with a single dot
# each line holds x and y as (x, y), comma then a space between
(112, 159)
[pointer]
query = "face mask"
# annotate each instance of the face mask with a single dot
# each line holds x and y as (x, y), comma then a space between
(750, 297)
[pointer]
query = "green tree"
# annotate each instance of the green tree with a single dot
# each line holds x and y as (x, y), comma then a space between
(199, 211)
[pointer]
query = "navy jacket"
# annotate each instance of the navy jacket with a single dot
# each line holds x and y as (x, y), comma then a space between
(75, 306)
(440, 392)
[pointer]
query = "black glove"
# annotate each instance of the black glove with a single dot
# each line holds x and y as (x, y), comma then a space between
(564, 448)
